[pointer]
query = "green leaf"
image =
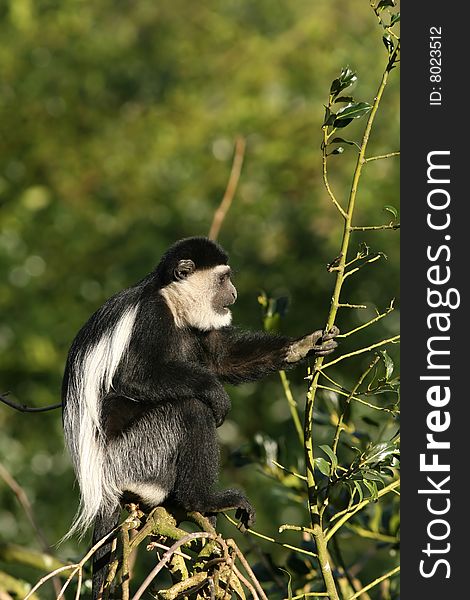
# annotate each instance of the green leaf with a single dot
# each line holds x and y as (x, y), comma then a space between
(370, 485)
(344, 99)
(391, 209)
(349, 112)
(331, 455)
(388, 43)
(379, 453)
(323, 466)
(358, 487)
(346, 79)
(373, 476)
(384, 3)
(354, 110)
(289, 582)
(329, 117)
(338, 140)
(370, 421)
(338, 150)
(388, 363)
(395, 19)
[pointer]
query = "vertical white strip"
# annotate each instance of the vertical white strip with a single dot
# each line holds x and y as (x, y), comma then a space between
(92, 377)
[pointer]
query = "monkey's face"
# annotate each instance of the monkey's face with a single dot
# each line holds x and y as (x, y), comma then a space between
(224, 293)
(200, 297)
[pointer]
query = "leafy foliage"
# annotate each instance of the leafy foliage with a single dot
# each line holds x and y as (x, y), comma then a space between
(118, 125)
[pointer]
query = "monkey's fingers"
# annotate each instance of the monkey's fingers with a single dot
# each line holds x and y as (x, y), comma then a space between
(246, 516)
(332, 333)
(325, 348)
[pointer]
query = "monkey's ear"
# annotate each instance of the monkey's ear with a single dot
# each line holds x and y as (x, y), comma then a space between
(184, 268)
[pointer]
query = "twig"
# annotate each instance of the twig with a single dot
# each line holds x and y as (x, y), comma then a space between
(355, 398)
(375, 227)
(375, 582)
(230, 190)
(310, 595)
(274, 541)
(381, 156)
(27, 409)
(49, 576)
(166, 557)
(292, 406)
(26, 505)
(248, 569)
(392, 340)
(356, 508)
(77, 566)
(374, 320)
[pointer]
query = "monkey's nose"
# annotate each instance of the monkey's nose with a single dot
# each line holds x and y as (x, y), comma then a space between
(234, 295)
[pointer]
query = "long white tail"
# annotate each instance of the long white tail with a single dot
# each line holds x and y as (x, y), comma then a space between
(90, 379)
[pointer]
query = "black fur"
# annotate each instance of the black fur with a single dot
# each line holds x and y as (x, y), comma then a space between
(167, 397)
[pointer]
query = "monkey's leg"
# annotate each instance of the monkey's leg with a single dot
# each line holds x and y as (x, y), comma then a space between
(198, 465)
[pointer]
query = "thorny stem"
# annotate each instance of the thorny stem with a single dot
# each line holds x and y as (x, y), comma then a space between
(364, 325)
(314, 510)
(393, 340)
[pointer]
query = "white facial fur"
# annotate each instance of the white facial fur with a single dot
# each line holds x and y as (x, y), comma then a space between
(190, 300)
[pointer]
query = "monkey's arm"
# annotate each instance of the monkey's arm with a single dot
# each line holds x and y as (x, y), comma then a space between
(174, 381)
(248, 356)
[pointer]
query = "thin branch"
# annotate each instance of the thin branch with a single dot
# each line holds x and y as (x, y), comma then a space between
(283, 468)
(292, 406)
(375, 227)
(325, 177)
(392, 340)
(27, 409)
(230, 190)
(381, 156)
(371, 535)
(270, 539)
(286, 527)
(347, 305)
(247, 568)
(166, 557)
(26, 505)
(49, 576)
(366, 262)
(371, 322)
(77, 566)
(355, 398)
(356, 508)
(374, 583)
(339, 425)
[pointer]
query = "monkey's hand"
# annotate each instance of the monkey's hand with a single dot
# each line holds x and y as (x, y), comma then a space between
(315, 344)
(246, 514)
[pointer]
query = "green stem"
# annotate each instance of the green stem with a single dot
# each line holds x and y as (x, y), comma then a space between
(339, 426)
(382, 156)
(352, 511)
(311, 393)
(294, 411)
(374, 583)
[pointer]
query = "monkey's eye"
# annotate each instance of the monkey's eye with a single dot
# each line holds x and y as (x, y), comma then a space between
(223, 278)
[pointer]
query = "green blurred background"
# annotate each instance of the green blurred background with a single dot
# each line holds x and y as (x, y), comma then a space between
(117, 128)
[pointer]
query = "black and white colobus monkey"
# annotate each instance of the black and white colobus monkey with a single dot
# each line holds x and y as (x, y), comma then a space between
(143, 388)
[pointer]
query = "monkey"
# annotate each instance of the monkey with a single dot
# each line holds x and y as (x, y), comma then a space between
(143, 390)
